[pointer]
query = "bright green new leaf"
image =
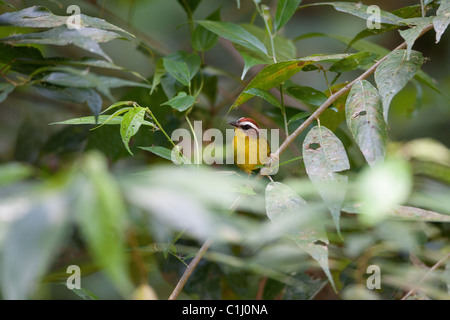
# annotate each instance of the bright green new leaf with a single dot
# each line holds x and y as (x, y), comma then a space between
(235, 34)
(324, 156)
(282, 201)
(394, 73)
(442, 19)
(285, 10)
(270, 98)
(130, 125)
(181, 102)
(364, 114)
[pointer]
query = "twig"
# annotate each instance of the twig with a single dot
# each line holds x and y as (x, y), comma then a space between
(330, 101)
(434, 267)
(187, 273)
(190, 268)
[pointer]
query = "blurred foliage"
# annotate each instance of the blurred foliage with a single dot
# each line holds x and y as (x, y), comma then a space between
(87, 117)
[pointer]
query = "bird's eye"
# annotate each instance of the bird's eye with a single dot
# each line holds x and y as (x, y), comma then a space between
(245, 127)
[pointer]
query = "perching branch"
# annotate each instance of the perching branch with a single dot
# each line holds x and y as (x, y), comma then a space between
(190, 269)
(330, 101)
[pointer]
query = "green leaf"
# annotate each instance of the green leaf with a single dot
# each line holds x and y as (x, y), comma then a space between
(355, 61)
(70, 77)
(158, 73)
(308, 95)
(86, 38)
(101, 217)
(84, 294)
(364, 114)
(383, 187)
(298, 116)
(360, 10)
(284, 48)
(103, 119)
(13, 171)
(5, 89)
(189, 6)
(202, 38)
(282, 201)
(405, 13)
(131, 122)
(159, 151)
(394, 73)
(277, 73)
(181, 102)
(324, 156)
(182, 66)
(285, 10)
(40, 17)
(442, 19)
(76, 95)
(410, 35)
(235, 34)
(270, 98)
(31, 243)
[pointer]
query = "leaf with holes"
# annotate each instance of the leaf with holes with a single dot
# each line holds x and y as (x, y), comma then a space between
(131, 122)
(324, 156)
(442, 19)
(283, 202)
(364, 114)
(393, 74)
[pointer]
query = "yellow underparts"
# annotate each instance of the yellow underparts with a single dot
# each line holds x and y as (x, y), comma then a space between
(248, 153)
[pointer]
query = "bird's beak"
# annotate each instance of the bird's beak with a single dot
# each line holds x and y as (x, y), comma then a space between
(233, 123)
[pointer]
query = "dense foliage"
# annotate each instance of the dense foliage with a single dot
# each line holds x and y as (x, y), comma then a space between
(92, 174)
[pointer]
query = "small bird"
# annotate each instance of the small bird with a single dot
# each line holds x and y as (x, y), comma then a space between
(247, 143)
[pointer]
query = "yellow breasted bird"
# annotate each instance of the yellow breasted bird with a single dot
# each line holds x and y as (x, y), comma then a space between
(251, 148)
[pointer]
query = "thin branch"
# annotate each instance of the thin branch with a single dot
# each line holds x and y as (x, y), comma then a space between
(190, 269)
(434, 267)
(330, 101)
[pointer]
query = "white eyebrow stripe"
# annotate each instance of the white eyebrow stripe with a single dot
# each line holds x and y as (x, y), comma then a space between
(248, 123)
